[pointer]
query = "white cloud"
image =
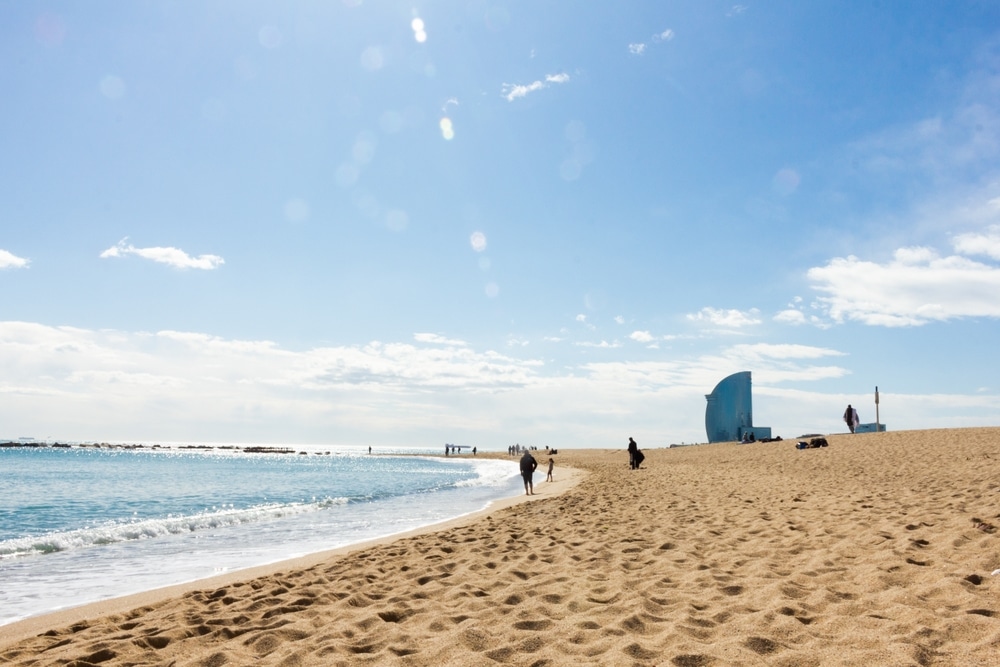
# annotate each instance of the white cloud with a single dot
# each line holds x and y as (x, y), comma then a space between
(187, 385)
(730, 319)
(9, 260)
(582, 319)
(170, 256)
(914, 288)
(602, 345)
(794, 316)
(641, 337)
(81, 384)
(639, 48)
(959, 144)
(511, 91)
(762, 351)
(619, 319)
(790, 316)
(770, 364)
(436, 339)
(987, 243)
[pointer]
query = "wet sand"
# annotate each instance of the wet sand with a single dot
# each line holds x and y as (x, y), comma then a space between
(876, 550)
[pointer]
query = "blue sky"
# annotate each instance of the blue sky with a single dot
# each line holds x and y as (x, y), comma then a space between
(553, 223)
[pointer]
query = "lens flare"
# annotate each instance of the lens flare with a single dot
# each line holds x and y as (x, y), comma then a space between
(478, 241)
(447, 130)
(419, 33)
(112, 87)
(363, 150)
(269, 37)
(50, 29)
(391, 122)
(786, 181)
(397, 220)
(570, 169)
(296, 210)
(372, 59)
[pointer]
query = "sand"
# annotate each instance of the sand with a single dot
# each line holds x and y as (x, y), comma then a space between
(877, 550)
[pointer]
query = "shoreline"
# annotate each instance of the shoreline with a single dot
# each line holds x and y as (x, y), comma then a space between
(24, 628)
(877, 549)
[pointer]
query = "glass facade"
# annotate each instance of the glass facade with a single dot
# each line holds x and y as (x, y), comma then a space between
(729, 414)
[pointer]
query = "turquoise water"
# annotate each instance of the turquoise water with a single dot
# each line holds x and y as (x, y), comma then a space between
(83, 524)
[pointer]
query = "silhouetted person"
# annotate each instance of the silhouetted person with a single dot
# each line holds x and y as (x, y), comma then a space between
(851, 417)
(633, 450)
(528, 466)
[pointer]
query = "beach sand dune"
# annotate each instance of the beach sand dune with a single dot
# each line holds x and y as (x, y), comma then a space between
(876, 550)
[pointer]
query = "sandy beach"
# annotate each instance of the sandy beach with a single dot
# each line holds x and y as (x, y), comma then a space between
(876, 550)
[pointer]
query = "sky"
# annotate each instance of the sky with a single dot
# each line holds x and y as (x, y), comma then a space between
(488, 222)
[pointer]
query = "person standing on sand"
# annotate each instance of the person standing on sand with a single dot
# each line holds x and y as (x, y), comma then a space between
(552, 463)
(528, 466)
(851, 417)
(633, 449)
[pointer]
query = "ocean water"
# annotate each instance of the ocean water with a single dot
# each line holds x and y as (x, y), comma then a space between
(80, 525)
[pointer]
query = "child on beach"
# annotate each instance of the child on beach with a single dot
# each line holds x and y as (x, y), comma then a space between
(548, 478)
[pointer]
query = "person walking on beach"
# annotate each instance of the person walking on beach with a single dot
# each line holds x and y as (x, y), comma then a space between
(633, 451)
(528, 466)
(851, 417)
(552, 463)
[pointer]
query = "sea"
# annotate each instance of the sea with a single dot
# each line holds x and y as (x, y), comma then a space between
(81, 524)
